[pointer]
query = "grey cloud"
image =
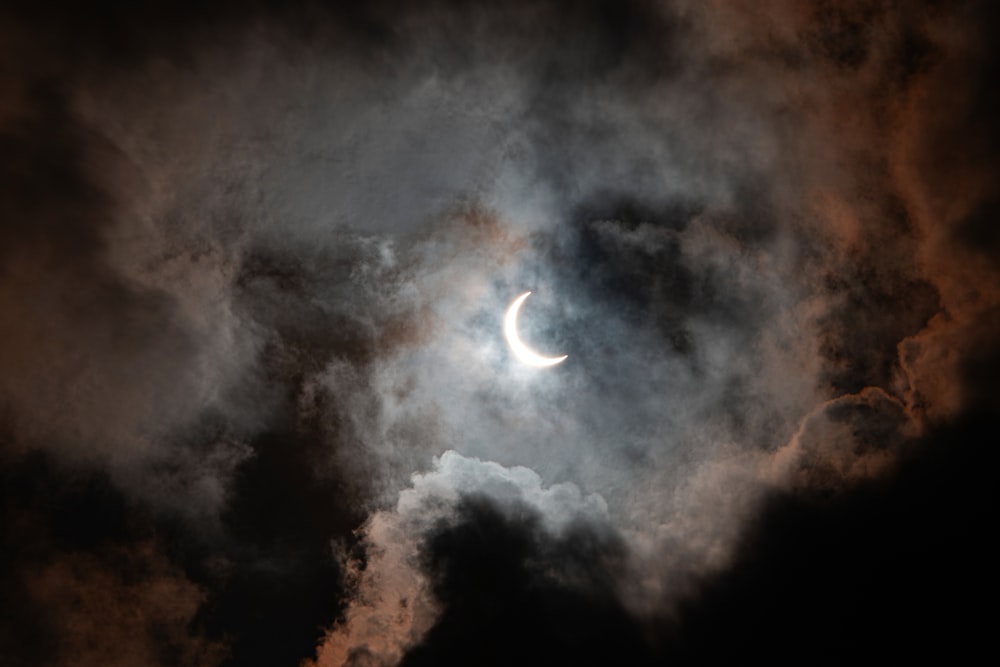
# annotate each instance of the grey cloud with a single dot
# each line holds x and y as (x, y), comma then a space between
(273, 279)
(393, 603)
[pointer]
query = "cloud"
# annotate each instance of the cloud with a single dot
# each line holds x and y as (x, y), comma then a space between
(132, 609)
(254, 264)
(392, 602)
(86, 581)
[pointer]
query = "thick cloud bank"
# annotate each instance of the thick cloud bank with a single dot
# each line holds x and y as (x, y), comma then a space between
(395, 600)
(255, 403)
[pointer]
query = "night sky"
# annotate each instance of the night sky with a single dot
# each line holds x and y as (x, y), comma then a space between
(257, 408)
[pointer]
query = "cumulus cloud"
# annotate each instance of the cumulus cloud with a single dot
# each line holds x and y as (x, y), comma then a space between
(393, 603)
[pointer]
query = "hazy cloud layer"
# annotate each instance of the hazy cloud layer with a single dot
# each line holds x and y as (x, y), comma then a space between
(253, 266)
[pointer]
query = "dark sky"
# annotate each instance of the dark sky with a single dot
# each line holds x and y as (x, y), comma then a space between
(256, 407)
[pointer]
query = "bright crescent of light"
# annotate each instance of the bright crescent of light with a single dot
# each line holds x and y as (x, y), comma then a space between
(522, 351)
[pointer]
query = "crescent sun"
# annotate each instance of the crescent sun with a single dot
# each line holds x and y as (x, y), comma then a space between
(522, 351)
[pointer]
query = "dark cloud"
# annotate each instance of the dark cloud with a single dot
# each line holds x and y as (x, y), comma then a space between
(885, 569)
(514, 594)
(85, 579)
(273, 577)
(889, 569)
